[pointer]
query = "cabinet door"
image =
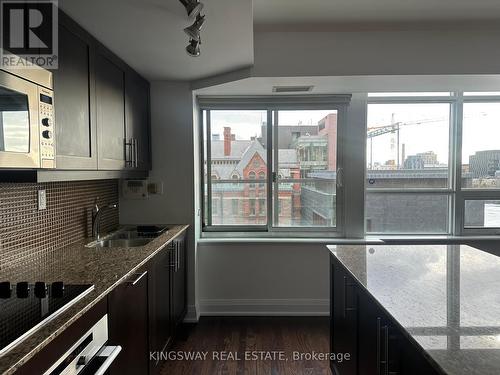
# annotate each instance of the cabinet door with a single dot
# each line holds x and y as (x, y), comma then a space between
(137, 121)
(110, 100)
(379, 347)
(128, 325)
(178, 281)
(159, 305)
(343, 319)
(74, 100)
(413, 362)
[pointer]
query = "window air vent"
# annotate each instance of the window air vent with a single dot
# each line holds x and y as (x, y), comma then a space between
(289, 89)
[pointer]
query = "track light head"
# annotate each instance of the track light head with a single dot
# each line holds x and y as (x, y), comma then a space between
(193, 7)
(193, 48)
(194, 30)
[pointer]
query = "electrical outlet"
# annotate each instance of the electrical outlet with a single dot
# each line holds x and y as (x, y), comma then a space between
(42, 200)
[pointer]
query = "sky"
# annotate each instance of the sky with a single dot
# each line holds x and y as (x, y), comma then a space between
(246, 124)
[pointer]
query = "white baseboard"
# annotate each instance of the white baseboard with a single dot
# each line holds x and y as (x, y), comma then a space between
(265, 307)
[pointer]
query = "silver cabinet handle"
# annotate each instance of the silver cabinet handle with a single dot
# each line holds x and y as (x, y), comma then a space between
(139, 277)
(347, 308)
(380, 361)
(110, 353)
(136, 153)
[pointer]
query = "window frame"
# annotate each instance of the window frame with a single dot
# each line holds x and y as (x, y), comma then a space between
(450, 190)
(465, 194)
(270, 104)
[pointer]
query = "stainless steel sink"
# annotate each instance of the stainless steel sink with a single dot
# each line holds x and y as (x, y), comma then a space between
(132, 242)
(129, 236)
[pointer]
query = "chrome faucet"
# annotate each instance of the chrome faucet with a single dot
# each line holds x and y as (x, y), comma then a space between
(96, 218)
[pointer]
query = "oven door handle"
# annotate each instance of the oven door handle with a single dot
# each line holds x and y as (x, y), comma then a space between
(110, 352)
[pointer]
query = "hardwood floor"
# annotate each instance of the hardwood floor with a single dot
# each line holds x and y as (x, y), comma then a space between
(257, 338)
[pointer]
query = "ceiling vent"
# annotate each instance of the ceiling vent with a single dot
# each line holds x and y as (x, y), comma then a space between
(291, 89)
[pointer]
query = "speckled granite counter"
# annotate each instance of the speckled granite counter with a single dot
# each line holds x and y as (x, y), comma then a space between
(76, 264)
(447, 298)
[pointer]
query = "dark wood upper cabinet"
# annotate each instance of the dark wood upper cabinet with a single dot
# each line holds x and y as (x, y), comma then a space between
(128, 325)
(137, 121)
(110, 103)
(74, 99)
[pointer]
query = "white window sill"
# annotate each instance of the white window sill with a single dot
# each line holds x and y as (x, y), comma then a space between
(368, 240)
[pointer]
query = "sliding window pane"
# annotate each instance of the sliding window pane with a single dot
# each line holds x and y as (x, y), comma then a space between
(304, 193)
(406, 213)
(480, 146)
(238, 203)
(238, 158)
(408, 145)
(482, 214)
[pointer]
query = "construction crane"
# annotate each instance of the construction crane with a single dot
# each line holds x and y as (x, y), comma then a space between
(394, 128)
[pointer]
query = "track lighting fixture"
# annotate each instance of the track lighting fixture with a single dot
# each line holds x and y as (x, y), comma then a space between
(193, 7)
(193, 48)
(194, 30)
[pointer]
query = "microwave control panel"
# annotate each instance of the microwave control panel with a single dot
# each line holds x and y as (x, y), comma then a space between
(47, 132)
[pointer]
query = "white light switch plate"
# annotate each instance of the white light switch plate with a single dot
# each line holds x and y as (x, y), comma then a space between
(42, 200)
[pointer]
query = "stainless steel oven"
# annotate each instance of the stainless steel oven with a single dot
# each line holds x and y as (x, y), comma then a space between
(27, 119)
(89, 355)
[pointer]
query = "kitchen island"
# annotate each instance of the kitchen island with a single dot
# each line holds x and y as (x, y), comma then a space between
(415, 309)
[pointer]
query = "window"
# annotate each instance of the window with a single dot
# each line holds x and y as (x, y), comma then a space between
(306, 162)
(480, 146)
(303, 160)
(251, 176)
(408, 173)
(234, 206)
(230, 153)
(262, 177)
(482, 213)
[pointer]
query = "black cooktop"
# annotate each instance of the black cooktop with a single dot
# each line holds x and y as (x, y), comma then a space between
(26, 307)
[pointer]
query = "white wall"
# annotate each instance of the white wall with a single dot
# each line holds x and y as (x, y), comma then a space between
(173, 164)
(263, 279)
(272, 278)
(382, 52)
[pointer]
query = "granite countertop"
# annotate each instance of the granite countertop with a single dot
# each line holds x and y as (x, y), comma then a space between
(446, 297)
(77, 264)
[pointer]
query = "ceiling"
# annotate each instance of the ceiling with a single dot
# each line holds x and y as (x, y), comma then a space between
(149, 36)
(314, 13)
(357, 84)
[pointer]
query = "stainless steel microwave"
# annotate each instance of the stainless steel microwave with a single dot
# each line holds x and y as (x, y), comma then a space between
(27, 136)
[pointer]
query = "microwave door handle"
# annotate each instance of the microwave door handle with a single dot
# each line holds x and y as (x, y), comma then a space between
(110, 352)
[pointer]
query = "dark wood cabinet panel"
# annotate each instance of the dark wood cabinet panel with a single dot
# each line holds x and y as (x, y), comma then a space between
(110, 103)
(343, 320)
(160, 325)
(74, 92)
(361, 327)
(178, 281)
(128, 325)
(137, 121)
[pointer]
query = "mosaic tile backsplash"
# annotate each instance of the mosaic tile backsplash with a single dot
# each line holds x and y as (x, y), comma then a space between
(27, 234)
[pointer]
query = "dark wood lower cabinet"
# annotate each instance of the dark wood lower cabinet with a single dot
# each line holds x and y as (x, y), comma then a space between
(128, 325)
(143, 317)
(359, 326)
(344, 320)
(159, 305)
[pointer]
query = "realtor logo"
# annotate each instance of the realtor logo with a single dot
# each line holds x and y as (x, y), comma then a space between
(28, 34)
